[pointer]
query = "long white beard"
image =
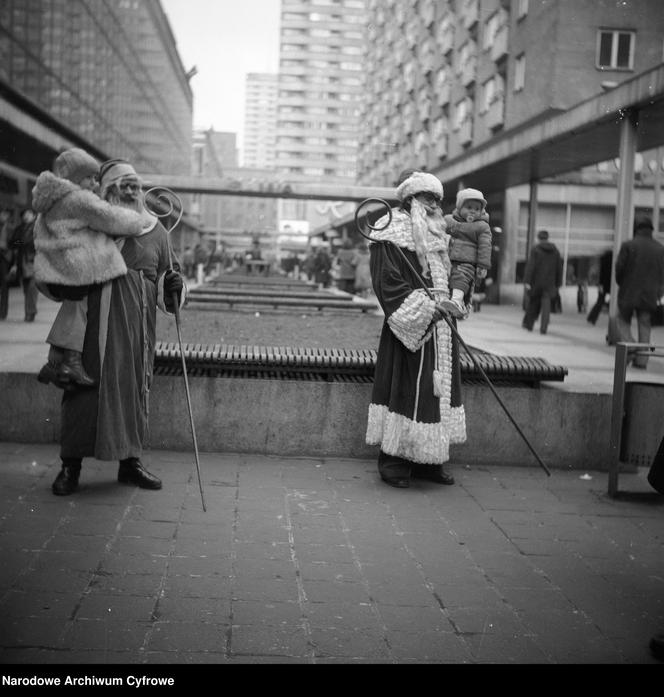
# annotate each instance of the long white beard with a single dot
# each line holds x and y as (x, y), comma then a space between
(423, 224)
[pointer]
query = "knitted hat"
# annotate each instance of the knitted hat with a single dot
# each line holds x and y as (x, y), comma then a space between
(75, 164)
(418, 183)
(468, 195)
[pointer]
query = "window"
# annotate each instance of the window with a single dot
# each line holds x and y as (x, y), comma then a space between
(615, 50)
(520, 72)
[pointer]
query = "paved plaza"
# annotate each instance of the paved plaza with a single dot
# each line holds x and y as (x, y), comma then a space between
(315, 561)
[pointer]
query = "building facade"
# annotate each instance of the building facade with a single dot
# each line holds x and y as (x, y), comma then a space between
(444, 76)
(108, 70)
(231, 223)
(321, 87)
(260, 120)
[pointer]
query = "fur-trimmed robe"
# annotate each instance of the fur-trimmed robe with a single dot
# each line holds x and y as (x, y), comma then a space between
(74, 233)
(110, 420)
(416, 410)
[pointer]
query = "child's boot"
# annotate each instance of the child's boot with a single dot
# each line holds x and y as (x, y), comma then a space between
(72, 369)
(455, 305)
(49, 371)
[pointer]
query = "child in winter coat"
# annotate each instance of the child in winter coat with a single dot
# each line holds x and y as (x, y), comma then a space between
(469, 251)
(75, 247)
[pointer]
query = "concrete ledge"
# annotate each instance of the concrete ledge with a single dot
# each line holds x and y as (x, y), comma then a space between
(298, 418)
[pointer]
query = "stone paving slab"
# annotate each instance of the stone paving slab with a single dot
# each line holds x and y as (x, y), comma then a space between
(315, 561)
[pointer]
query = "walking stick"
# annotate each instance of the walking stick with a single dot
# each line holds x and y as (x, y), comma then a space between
(163, 203)
(446, 316)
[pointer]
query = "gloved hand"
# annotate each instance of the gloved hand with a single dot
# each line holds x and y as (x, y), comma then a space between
(173, 283)
(481, 272)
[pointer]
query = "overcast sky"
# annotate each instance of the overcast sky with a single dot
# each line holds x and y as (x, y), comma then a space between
(225, 40)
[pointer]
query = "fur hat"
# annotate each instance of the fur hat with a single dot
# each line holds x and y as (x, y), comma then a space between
(417, 183)
(468, 195)
(74, 165)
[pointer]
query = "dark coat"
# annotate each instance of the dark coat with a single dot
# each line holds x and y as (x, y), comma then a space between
(544, 270)
(640, 273)
(471, 242)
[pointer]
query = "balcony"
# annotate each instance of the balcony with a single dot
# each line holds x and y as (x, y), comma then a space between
(446, 40)
(499, 46)
(443, 92)
(468, 71)
(470, 13)
(439, 147)
(465, 133)
(423, 107)
(495, 116)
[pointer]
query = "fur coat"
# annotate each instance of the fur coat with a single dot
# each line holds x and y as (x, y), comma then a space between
(74, 234)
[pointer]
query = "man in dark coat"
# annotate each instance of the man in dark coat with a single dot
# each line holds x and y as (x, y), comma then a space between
(640, 279)
(543, 278)
(23, 241)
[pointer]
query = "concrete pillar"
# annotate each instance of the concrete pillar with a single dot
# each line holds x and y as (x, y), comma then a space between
(624, 209)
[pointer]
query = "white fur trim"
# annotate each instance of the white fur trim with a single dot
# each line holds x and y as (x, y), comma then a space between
(417, 183)
(410, 322)
(423, 443)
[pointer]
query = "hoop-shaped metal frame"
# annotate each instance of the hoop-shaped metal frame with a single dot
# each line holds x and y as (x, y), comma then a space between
(170, 198)
(375, 228)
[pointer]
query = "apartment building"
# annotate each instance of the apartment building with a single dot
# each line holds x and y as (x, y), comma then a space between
(260, 120)
(444, 76)
(321, 86)
(108, 70)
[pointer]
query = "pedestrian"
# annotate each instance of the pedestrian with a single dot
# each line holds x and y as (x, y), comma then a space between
(75, 242)
(109, 421)
(603, 286)
(362, 271)
(470, 249)
(416, 411)
(346, 261)
(640, 279)
(309, 264)
(542, 280)
(322, 267)
(23, 242)
(6, 259)
(188, 262)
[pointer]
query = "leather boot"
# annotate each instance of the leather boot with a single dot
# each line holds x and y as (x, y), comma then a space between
(72, 369)
(67, 480)
(131, 471)
(433, 473)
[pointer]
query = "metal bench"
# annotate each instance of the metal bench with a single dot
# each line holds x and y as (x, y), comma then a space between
(310, 294)
(333, 364)
(276, 301)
